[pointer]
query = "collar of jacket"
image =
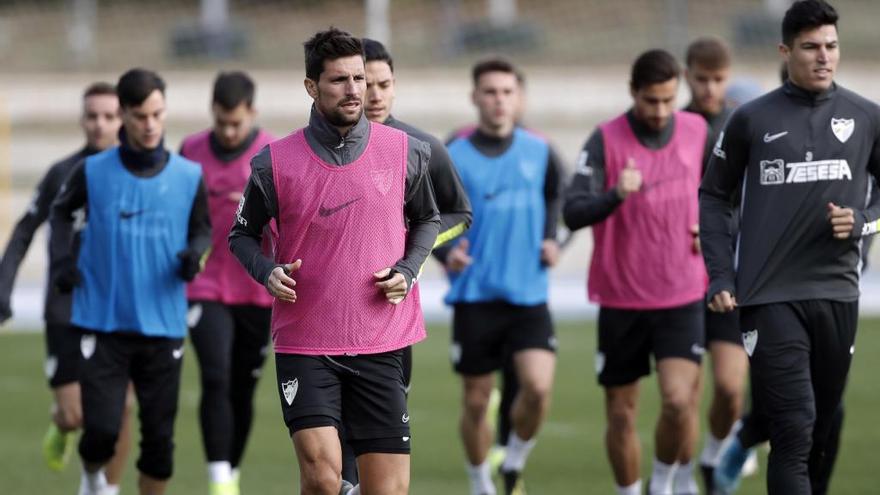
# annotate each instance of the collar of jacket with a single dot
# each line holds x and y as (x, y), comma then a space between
(800, 94)
(326, 134)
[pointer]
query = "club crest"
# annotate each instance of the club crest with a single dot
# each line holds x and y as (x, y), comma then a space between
(87, 345)
(289, 389)
(843, 128)
(750, 341)
(382, 179)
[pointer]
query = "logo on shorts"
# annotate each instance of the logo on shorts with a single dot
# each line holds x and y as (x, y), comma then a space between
(698, 350)
(405, 418)
(50, 366)
(87, 345)
(600, 362)
(405, 439)
(750, 340)
(289, 388)
(553, 342)
(852, 350)
(194, 315)
(177, 353)
(455, 352)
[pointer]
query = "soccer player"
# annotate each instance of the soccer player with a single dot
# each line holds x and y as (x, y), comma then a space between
(636, 182)
(146, 231)
(357, 219)
(100, 123)
(805, 152)
(229, 313)
(499, 273)
(707, 75)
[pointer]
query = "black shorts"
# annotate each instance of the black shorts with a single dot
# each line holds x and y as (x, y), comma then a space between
(484, 335)
(628, 337)
(62, 354)
(365, 394)
(723, 327)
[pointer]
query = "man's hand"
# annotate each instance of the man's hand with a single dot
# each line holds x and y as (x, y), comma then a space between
(392, 283)
(695, 232)
(458, 258)
(723, 302)
(842, 221)
(280, 284)
(190, 264)
(630, 180)
(549, 252)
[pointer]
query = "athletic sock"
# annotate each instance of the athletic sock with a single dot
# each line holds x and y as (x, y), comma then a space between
(634, 489)
(354, 491)
(711, 451)
(517, 453)
(683, 479)
(111, 490)
(661, 478)
(220, 471)
(481, 479)
(94, 482)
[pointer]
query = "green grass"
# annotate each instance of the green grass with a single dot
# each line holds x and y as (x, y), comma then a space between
(569, 457)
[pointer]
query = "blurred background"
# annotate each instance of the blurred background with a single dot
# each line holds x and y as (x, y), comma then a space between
(575, 53)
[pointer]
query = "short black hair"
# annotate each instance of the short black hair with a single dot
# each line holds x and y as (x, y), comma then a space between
(375, 51)
(653, 67)
(496, 64)
(231, 89)
(329, 45)
(99, 88)
(804, 15)
(136, 85)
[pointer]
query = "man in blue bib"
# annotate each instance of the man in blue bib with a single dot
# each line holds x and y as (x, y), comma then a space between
(147, 230)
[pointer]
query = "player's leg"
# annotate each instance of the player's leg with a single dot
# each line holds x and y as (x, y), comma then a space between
(509, 389)
(311, 404)
(155, 374)
(249, 349)
(116, 465)
(678, 340)
(622, 358)
(833, 339)
(779, 348)
(62, 362)
(103, 378)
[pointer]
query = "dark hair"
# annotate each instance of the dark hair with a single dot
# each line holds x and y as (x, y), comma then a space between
(329, 45)
(804, 15)
(708, 52)
(653, 67)
(376, 52)
(136, 85)
(98, 89)
(496, 64)
(231, 89)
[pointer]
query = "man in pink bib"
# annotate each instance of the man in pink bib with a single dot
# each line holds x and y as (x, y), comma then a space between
(356, 220)
(636, 183)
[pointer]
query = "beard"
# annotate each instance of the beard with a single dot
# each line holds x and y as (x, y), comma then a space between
(338, 117)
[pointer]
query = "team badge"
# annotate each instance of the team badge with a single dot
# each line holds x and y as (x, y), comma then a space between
(289, 388)
(843, 128)
(87, 345)
(750, 340)
(51, 366)
(382, 179)
(772, 172)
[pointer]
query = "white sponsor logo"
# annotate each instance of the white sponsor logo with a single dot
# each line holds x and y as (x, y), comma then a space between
(769, 138)
(177, 353)
(599, 362)
(698, 350)
(51, 366)
(843, 128)
(87, 345)
(870, 228)
(717, 151)
(455, 352)
(750, 340)
(242, 220)
(581, 167)
(193, 315)
(803, 172)
(289, 388)
(405, 418)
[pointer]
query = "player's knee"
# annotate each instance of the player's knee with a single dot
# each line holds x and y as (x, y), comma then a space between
(676, 405)
(156, 460)
(537, 395)
(622, 418)
(215, 381)
(97, 445)
(476, 403)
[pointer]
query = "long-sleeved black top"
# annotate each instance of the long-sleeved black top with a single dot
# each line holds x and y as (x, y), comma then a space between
(56, 309)
(73, 198)
(260, 201)
(793, 152)
(587, 199)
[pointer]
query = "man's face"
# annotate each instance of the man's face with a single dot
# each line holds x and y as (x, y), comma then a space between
(380, 91)
(497, 97)
(232, 127)
(339, 91)
(145, 123)
(100, 121)
(812, 58)
(654, 104)
(708, 87)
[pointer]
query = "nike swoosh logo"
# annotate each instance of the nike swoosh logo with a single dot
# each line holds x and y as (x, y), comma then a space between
(768, 138)
(326, 212)
(125, 215)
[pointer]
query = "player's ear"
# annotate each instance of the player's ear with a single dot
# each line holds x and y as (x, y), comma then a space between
(311, 88)
(785, 51)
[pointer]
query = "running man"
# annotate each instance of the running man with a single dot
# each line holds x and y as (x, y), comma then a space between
(635, 183)
(229, 313)
(707, 74)
(499, 273)
(147, 229)
(806, 152)
(357, 219)
(100, 124)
